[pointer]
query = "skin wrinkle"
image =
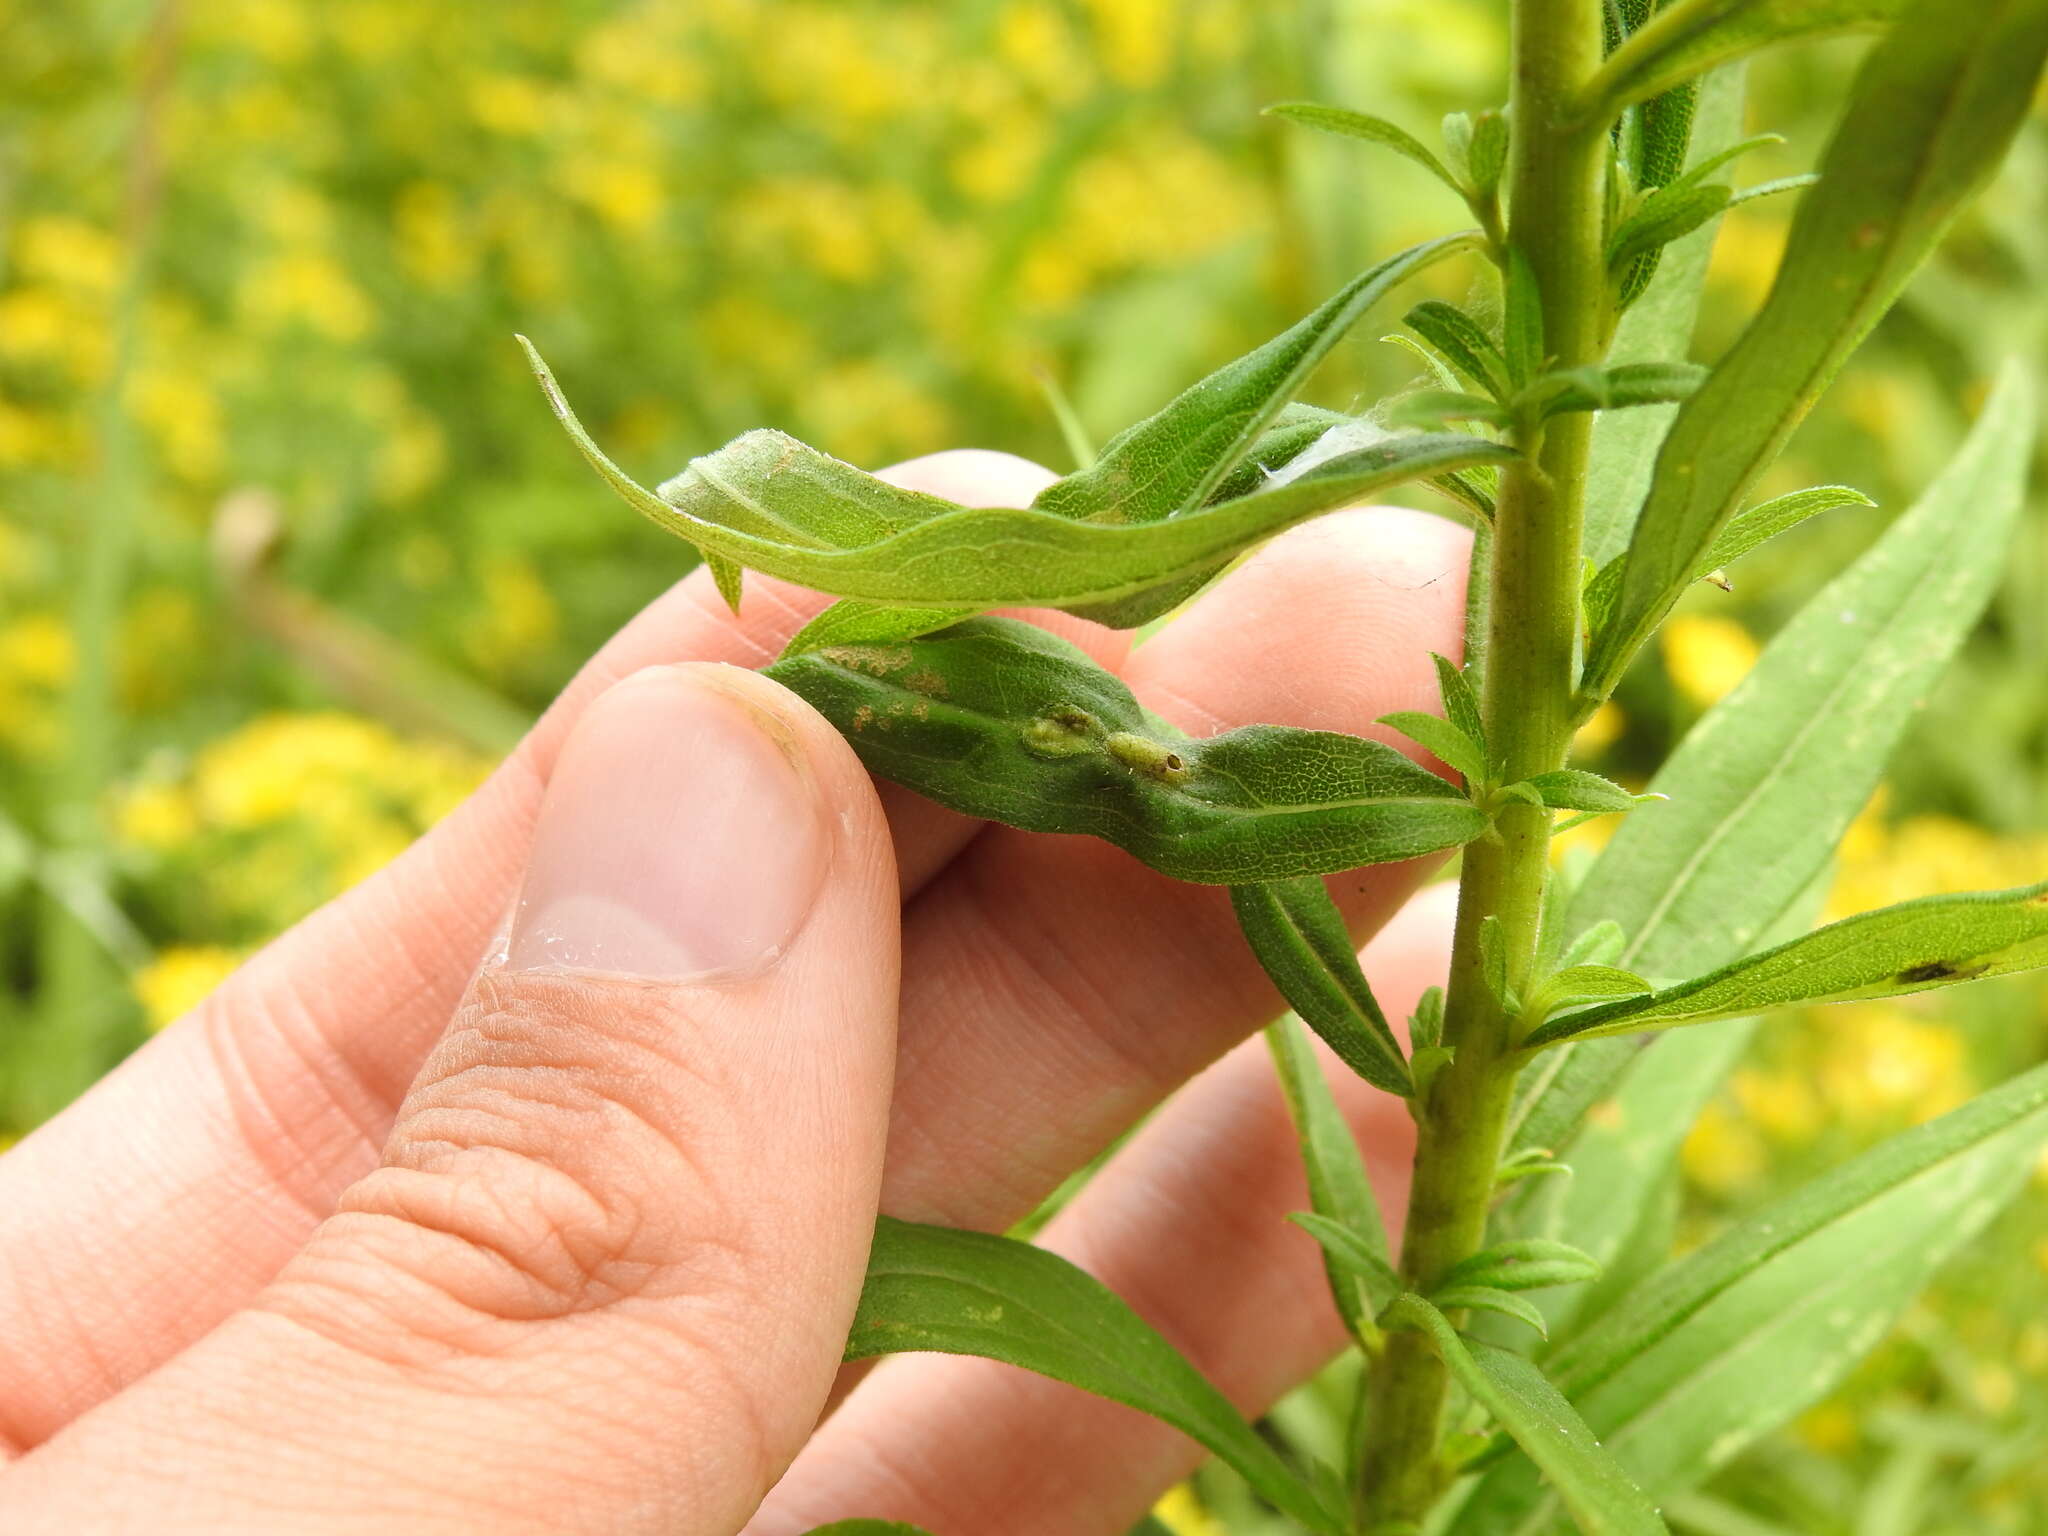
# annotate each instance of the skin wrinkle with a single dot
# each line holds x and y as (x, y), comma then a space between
(617, 1448)
(301, 1173)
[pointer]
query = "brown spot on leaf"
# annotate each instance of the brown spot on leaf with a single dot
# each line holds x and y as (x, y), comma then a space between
(1940, 970)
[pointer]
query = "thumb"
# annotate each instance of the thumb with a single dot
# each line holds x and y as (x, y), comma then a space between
(603, 1277)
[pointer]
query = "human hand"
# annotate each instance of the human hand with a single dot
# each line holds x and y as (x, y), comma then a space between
(319, 1259)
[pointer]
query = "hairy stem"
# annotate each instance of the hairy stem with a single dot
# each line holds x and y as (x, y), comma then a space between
(1555, 211)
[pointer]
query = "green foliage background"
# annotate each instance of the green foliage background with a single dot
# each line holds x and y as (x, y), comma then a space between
(260, 263)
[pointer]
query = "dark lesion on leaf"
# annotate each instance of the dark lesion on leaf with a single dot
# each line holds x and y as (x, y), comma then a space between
(1940, 970)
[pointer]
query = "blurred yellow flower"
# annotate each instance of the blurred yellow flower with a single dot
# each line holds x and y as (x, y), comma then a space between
(306, 289)
(1706, 655)
(50, 326)
(163, 647)
(432, 241)
(807, 222)
(635, 54)
(515, 105)
(1832, 1428)
(1135, 38)
(179, 978)
(183, 416)
(36, 660)
(1182, 1513)
(156, 816)
(323, 766)
(1722, 1154)
(519, 617)
(868, 413)
(1746, 253)
(69, 253)
(274, 30)
(1932, 855)
(1000, 162)
(1883, 1061)
(36, 651)
(1782, 1104)
(373, 30)
(626, 194)
(1602, 730)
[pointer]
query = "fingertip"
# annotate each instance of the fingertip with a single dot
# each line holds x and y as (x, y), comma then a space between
(1328, 627)
(973, 477)
(687, 825)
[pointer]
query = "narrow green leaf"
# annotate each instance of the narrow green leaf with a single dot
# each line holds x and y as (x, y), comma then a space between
(971, 1293)
(1461, 702)
(783, 508)
(1525, 1264)
(1601, 944)
(1778, 515)
(854, 621)
(1597, 1492)
(1935, 107)
(1080, 446)
(1717, 1350)
(1338, 1185)
(1618, 388)
(1936, 941)
(1374, 130)
(1655, 327)
(1296, 428)
(1665, 127)
(1664, 134)
(1693, 36)
(1487, 155)
(1619, 1205)
(1439, 736)
(1463, 341)
(1576, 985)
(1432, 365)
(1764, 786)
(1004, 721)
(1523, 343)
(1172, 462)
(1428, 409)
(1426, 1023)
(1743, 534)
(1773, 188)
(1457, 132)
(1300, 939)
(1574, 789)
(1485, 1298)
(867, 1528)
(1353, 1253)
(1528, 1163)
(1665, 216)
(728, 577)
(1706, 165)
(1493, 961)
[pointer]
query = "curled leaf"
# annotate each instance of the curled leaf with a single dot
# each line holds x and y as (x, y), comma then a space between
(1004, 721)
(775, 505)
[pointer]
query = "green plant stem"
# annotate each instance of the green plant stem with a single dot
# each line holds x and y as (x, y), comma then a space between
(1556, 219)
(80, 1026)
